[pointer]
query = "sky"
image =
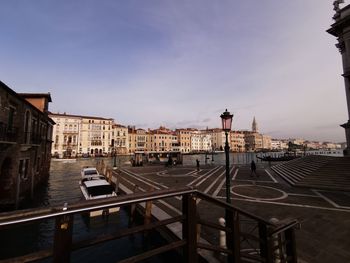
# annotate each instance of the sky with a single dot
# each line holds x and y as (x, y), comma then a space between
(181, 63)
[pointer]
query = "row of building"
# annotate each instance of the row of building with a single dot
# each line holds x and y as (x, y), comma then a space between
(76, 135)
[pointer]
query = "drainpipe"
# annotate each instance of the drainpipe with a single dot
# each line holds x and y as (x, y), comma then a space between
(17, 190)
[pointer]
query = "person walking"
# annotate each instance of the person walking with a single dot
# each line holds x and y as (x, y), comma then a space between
(253, 168)
(197, 161)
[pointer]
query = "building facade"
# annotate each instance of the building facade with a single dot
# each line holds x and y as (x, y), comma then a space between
(76, 135)
(341, 30)
(25, 144)
(120, 142)
(184, 138)
(237, 143)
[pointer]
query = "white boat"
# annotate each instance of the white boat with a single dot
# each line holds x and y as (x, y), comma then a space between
(95, 186)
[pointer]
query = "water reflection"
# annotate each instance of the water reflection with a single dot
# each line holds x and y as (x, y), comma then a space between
(62, 187)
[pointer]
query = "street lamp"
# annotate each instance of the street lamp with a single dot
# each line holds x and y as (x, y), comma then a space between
(115, 158)
(226, 119)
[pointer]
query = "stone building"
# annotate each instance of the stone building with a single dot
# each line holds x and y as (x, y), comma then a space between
(341, 30)
(25, 144)
(162, 140)
(76, 135)
(201, 141)
(184, 138)
(137, 139)
(237, 142)
(218, 138)
(120, 139)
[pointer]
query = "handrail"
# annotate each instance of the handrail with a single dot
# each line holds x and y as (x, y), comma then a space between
(285, 226)
(15, 217)
(27, 215)
(267, 231)
(232, 207)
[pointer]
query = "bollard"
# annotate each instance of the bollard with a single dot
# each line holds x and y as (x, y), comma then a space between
(108, 175)
(222, 233)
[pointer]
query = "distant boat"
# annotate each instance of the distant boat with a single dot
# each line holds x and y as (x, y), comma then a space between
(277, 159)
(65, 160)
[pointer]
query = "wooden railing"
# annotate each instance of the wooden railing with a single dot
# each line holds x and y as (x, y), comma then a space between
(249, 238)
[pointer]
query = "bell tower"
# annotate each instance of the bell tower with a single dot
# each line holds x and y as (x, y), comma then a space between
(254, 126)
(341, 30)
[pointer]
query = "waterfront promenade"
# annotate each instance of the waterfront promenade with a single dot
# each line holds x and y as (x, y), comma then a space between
(324, 215)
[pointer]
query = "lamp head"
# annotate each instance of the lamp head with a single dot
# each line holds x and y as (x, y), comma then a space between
(226, 119)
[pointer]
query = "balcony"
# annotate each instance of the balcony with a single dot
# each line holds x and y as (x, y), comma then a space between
(8, 135)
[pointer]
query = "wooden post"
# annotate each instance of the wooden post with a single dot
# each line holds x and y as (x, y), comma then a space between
(63, 238)
(232, 238)
(291, 245)
(148, 213)
(189, 228)
(133, 209)
(265, 244)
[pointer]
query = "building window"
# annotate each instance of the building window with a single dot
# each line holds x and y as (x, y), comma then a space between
(23, 168)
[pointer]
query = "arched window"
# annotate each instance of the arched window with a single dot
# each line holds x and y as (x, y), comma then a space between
(26, 127)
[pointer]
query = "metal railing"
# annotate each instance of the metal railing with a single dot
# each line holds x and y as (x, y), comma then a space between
(275, 243)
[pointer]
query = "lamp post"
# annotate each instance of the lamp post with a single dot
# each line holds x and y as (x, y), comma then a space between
(226, 119)
(115, 157)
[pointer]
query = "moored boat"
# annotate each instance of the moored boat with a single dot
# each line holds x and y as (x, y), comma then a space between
(95, 186)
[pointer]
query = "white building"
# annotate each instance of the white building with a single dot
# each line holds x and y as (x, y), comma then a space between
(76, 135)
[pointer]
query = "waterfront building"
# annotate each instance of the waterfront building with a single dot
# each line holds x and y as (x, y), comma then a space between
(76, 135)
(341, 30)
(120, 141)
(184, 138)
(137, 139)
(237, 143)
(254, 141)
(218, 138)
(162, 140)
(280, 145)
(200, 141)
(25, 143)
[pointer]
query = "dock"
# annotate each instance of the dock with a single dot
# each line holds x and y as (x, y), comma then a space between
(323, 214)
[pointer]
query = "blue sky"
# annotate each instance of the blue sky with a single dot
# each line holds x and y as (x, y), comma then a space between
(181, 63)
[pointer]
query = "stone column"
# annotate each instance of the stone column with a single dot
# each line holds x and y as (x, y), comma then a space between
(341, 30)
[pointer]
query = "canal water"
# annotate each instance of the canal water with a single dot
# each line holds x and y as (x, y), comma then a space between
(62, 187)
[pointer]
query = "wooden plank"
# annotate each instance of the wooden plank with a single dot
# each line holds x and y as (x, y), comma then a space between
(213, 248)
(189, 227)
(123, 233)
(214, 225)
(291, 245)
(63, 239)
(30, 257)
(154, 252)
(265, 246)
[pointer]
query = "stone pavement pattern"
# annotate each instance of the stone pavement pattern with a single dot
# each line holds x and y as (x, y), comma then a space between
(324, 215)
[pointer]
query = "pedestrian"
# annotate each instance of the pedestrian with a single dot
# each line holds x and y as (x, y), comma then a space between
(197, 161)
(253, 168)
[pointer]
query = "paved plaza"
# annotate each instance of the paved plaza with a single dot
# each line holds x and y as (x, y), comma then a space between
(324, 235)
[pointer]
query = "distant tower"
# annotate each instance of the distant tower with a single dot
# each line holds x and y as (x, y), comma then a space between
(341, 30)
(254, 125)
